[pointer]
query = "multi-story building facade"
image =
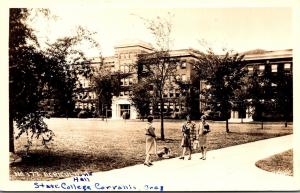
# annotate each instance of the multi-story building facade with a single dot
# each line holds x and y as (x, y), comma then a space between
(175, 103)
(124, 61)
(274, 67)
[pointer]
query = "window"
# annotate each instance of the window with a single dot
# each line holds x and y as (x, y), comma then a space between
(130, 68)
(165, 93)
(171, 93)
(177, 108)
(273, 84)
(172, 106)
(250, 69)
(122, 68)
(183, 77)
(183, 65)
(177, 93)
(287, 66)
(171, 78)
(261, 68)
(274, 67)
(126, 68)
(130, 81)
(125, 81)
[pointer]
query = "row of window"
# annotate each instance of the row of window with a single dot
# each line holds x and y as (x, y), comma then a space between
(170, 94)
(127, 56)
(173, 93)
(171, 107)
(274, 67)
(85, 105)
(126, 93)
(182, 66)
(87, 95)
(109, 64)
(126, 81)
(182, 77)
(126, 68)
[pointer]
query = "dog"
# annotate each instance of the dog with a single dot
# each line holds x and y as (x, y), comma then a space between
(165, 153)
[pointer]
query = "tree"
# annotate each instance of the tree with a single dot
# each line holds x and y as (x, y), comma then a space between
(284, 94)
(106, 84)
(241, 98)
(36, 74)
(141, 98)
(24, 88)
(257, 84)
(158, 66)
(68, 62)
(223, 74)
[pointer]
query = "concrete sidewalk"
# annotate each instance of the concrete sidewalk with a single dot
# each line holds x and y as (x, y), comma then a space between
(231, 168)
(226, 169)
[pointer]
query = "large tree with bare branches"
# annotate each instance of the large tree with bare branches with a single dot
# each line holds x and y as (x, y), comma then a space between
(157, 67)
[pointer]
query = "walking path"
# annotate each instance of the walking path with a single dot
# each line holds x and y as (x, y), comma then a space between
(231, 168)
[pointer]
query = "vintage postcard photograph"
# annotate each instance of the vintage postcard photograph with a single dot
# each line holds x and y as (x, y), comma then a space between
(149, 96)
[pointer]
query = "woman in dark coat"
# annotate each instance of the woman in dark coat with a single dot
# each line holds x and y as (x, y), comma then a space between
(188, 134)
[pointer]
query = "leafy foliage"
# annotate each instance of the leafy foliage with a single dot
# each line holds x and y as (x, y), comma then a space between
(270, 92)
(36, 74)
(222, 74)
(106, 84)
(141, 98)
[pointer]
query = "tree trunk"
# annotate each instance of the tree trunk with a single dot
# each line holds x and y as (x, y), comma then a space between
(11, 135)
(286, 116)
(227, 126)
(162, 134)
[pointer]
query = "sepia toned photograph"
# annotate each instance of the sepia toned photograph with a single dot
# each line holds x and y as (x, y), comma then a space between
(145, 96)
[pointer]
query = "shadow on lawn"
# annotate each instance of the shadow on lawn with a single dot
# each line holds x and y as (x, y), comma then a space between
(259, 133)
(55, 160)
(50, 162)
(169, 140)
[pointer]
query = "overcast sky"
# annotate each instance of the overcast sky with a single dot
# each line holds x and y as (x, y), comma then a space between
(239, 29)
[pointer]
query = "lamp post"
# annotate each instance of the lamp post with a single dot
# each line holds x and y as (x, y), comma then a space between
(262, 101)
(67, 110)
(286, 113)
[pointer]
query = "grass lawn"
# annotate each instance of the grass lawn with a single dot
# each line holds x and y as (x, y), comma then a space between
(89, 145)
(281, 163)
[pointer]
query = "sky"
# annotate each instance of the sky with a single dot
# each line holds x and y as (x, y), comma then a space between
(236, 28)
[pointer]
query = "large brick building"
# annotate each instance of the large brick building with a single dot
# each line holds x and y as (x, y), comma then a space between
(123, 61)
(126, 55)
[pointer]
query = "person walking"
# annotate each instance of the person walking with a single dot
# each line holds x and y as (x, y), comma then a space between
(203, 131)
(188, 134)
(151, 147)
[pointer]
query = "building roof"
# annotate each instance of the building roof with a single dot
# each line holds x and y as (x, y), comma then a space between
(287, 53)
(183, 52)
(134, 43)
